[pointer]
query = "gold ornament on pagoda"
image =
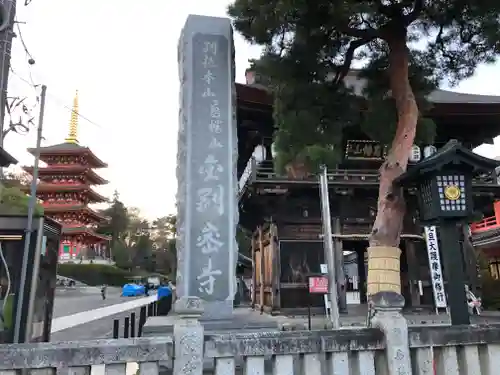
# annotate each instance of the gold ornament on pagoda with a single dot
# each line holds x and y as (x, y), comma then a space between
(452, 192)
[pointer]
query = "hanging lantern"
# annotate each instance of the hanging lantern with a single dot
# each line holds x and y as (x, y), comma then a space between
(429, 151)
(274, 152)
(415, 154)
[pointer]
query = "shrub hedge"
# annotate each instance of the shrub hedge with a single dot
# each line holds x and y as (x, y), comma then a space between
(95, 274)
(490, 295)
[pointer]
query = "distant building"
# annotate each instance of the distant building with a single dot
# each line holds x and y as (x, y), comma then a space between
(65, 188)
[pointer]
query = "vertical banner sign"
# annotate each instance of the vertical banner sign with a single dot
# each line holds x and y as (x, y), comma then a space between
(435, 268)
(206, 173)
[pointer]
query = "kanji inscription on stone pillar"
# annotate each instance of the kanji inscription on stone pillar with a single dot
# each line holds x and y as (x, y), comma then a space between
(206, 165)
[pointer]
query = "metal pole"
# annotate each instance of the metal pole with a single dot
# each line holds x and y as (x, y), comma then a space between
(328, 246)
(29, 225)
(132, 324)
(338, 256)
(6, 36)
(126, 328)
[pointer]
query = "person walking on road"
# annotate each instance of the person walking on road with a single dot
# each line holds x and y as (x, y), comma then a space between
(103, 292)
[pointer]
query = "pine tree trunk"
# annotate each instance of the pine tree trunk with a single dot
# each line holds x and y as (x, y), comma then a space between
(384, 253)
(391, 208)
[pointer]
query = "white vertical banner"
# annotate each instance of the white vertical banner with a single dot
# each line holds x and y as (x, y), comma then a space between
(435, 269)
(324, 271)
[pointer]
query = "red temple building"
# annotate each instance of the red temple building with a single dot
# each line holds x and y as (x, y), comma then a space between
(65, 188)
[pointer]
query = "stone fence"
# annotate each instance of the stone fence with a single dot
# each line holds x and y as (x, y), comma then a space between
(389, 348)
(433, 350)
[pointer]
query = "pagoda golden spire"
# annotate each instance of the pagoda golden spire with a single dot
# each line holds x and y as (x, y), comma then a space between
(73, 124)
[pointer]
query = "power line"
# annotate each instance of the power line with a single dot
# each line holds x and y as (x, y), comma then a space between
(58, 101)
(31, 60)
(31, 82)
(20, 34)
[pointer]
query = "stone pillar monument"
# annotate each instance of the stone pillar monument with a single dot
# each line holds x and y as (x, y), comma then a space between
(207, 211)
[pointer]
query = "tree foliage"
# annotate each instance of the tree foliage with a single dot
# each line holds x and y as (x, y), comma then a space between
(404, 50)
(164, 230)
(13, 200)
(143, 253)
(118, 220)
(137, 242)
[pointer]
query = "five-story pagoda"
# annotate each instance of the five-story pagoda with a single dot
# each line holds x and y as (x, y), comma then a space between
(65, 187)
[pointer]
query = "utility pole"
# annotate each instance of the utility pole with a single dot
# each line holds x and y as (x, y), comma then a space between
(329, 251)
(7, 10)
(29, 225)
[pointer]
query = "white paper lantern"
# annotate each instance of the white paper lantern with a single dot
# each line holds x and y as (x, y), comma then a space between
(429, 151)
(415, 154)
(259, 153)
(274, 152)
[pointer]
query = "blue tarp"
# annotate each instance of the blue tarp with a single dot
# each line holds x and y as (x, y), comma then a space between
(163, 291)
(132, 290)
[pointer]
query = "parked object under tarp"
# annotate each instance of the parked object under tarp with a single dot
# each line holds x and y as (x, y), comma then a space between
(133, 290)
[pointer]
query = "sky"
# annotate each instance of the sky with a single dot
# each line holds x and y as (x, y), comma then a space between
(122, 57)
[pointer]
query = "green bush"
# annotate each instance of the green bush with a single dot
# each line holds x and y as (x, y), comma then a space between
(95, 274)
(490, 297)
(490, 287)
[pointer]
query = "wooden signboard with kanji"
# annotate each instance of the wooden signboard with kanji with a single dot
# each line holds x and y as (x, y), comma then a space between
(365, 150)
(318, 285)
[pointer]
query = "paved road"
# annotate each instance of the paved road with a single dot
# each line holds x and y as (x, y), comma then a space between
(71, 301)
(97, 329)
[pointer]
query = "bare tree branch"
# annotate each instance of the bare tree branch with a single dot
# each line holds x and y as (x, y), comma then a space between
(359, 33)
(353, 46)
(415, 13)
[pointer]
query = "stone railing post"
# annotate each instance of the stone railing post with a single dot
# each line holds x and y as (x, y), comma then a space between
(389, 319)
(188, 337)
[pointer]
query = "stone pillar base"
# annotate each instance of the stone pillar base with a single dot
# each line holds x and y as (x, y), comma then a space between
(383, 270)
(388, 319)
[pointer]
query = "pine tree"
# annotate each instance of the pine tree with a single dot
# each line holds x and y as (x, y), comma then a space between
(117, 224)
(405, 49)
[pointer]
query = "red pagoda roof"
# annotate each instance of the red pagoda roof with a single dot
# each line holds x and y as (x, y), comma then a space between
(69, 148)
(60, 208)
(84, 231)
(70, 169)
(60, 188)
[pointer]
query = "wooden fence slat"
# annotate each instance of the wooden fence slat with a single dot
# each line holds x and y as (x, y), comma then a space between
(469, 360)
(423, 361)
(148, 368)
(366, 363)
(447, 361)
(338, 363)
(311, 364)
(254, 366)
(224, 366)
(116, 369)
(76, 370)
(283, 365)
